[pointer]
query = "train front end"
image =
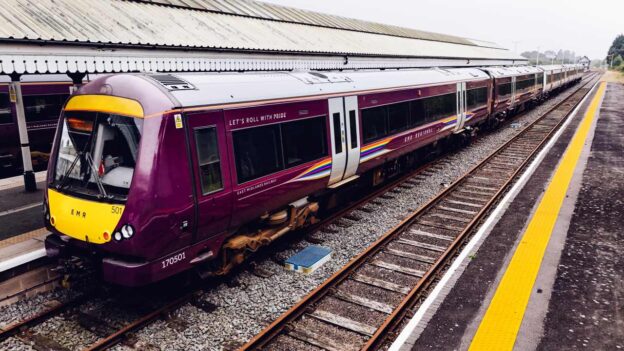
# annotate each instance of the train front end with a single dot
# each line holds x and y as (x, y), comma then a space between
(94, 164)
(95, 202)
(90, 179)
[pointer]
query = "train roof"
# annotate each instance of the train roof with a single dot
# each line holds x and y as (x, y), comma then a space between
(226, 88)
(558, 67)
(501, 72)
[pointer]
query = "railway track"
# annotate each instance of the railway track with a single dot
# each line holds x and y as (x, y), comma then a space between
(364, 283)
(98, 318)
(360, 305)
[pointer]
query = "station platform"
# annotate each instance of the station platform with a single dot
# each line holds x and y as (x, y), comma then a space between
(21, 231)
(20, 211)
(547, 273)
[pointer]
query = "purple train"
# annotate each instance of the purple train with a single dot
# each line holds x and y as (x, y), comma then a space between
(155, 174)
(44, 96)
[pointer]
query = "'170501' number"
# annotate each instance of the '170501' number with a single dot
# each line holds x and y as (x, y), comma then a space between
(173, 260)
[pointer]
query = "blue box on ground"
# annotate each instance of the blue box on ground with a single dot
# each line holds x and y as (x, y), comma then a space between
(308, 259)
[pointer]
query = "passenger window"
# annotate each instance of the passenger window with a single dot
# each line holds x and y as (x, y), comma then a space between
(5, 109)
(209, 161)
(337, 133)
(398, 115)
(440, 106)
(476, 98)
(258, 152)
(304, 141)
(417, 112)
(504, 89)
(43, 107)
(374, 123)
(353, 124)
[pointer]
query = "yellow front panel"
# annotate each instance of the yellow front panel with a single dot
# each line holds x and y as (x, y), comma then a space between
(83, 219)
(105, 103)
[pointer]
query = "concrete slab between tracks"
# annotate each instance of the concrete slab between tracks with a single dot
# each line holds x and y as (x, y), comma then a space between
(572, 296)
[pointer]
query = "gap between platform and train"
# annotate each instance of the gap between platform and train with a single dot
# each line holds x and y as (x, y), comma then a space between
(456, 268)
(499, 327)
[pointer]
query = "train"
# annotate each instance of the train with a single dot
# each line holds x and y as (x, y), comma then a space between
(44, 97)
(155, 174)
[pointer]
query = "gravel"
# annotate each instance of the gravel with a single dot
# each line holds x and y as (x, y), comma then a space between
(244, 309)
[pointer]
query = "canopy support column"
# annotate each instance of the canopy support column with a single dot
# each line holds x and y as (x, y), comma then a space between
(16, 97)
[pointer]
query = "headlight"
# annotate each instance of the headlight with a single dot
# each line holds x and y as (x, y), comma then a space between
(127, 231)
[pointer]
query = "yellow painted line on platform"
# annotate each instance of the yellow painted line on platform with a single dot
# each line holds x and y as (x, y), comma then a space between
(502, 320)
(41, 232)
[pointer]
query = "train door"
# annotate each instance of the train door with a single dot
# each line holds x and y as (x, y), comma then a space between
(512, 100)
(345, 143)
(353, 140)
(461, 106)
(207, 147)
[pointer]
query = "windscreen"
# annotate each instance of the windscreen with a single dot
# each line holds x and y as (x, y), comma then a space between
(97, 154)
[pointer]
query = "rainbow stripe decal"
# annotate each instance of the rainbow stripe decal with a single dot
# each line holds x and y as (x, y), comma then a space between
(317, 171)
(469, 115)
(449, 123)
(373, 150)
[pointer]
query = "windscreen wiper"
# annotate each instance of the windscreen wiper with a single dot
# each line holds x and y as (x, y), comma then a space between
(69, 170)
(95, 175)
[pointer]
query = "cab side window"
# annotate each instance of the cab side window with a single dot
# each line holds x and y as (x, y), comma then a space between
(209, 161)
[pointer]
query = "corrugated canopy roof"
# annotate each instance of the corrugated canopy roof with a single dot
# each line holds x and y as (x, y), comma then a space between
(191, 33)
(225, 24)
(269, 11)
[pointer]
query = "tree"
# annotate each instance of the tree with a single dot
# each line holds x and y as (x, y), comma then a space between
(617, 61)
(616, 49)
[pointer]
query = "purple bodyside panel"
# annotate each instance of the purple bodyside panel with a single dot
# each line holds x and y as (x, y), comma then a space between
(45, 88)
(161, 195)
(141, 273)
(406, 142)
(269, 114)
(253, 198)
(214, 207)
(379, 99)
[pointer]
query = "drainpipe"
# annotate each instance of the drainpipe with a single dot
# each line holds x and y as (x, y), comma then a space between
(16, 97)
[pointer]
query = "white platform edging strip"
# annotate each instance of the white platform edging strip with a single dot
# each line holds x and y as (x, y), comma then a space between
(22, 259)
(476, 239)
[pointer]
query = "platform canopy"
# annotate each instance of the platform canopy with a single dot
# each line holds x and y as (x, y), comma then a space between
(101, 36)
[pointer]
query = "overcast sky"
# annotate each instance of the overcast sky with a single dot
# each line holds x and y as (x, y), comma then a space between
(586, 27)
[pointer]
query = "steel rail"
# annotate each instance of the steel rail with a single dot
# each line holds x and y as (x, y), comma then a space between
(15, 328)
(121, 334)
(278, 326)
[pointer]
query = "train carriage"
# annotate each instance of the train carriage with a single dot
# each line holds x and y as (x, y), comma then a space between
(514, 87)
(156, 174)
(44, 96)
